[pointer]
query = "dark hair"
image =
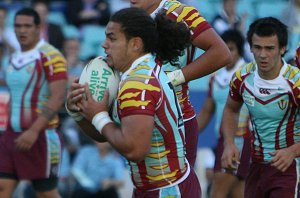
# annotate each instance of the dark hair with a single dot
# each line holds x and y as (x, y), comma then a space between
(235, 36)
(269, 26)
(29, 12)
(162, 36)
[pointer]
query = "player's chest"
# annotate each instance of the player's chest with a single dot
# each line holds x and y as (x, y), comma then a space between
(274, 107)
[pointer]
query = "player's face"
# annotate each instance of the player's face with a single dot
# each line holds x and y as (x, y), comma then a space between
(234, 53)
(148, 5)
(117, 48)
(26, 31)
(267, 55)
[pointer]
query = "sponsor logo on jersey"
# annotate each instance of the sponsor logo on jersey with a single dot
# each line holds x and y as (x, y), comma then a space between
(249, 100)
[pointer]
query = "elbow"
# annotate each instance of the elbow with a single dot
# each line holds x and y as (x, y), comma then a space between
(227, 57)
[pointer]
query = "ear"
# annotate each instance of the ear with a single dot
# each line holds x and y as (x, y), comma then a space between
(136, 44)
(282, 50)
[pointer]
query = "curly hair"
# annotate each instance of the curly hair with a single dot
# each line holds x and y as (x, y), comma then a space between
(161, 36)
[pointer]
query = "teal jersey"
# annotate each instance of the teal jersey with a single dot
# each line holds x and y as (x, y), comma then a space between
(28, 76)
(145, 90)
(273, 107)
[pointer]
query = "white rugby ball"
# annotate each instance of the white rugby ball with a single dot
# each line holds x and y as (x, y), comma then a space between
(100, 77)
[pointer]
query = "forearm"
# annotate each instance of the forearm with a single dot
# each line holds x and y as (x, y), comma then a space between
(125, 145)
(205, 114)
(205, 65)
(47, 113)
(229, 125)
(52, 106)
(88, 129)
(203, 120)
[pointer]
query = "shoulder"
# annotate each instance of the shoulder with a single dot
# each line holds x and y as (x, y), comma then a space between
(241, 74)
(51, 52)
(292, 74)
(245, 70)
(179, 9)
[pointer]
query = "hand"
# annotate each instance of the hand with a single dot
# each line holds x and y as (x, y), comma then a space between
(231, 157)
(25, 141)
(75, 95)
(282, 159)
(90, 107)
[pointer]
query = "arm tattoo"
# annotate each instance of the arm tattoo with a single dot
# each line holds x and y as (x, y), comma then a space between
(48, 113)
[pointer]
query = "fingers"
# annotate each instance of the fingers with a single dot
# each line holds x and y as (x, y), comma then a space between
(106, 96)
(87, 94)
(22, 145)
(75, 96)
(280, 165)
(280, 161)
(231, 160)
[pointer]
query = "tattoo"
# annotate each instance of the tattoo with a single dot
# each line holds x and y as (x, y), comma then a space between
(48, 113)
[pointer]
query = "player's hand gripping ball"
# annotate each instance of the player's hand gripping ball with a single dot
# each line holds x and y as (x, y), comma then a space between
(100, 77)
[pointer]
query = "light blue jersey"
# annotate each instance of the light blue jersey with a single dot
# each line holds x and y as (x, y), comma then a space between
(273, 107)
(28, 76)
(145, 90)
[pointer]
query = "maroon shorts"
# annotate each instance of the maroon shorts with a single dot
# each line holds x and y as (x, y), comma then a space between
(264, 180)
(189, 188)
(191, 139)
(40, 162)
(244, 160)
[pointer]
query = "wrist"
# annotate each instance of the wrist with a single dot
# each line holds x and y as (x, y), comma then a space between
(176, 77)
(228, 141)
(295, 150)
(100, 120)
(74, 114)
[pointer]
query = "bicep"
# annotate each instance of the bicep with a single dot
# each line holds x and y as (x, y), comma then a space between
(138, 131)
(58, 88)
(207, 39)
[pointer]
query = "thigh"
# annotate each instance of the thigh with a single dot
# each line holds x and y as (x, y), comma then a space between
(253, 182)
(43, 159)
(244, 159)
(222, 184)
(218, 154)
(7, 165)
(284, 184)
(190, 188)
(191, 140)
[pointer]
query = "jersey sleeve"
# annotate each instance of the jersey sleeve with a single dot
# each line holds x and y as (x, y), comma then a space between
(138, 97)
(235, 86)
(191, 17)
(55, 65)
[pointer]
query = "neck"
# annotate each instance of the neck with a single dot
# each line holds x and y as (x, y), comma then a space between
(29, 47)
(154, 6)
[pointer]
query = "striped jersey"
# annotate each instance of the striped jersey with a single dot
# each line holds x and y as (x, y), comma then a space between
(144, 89)
(196, 24)
(273, 108)
(27, 78)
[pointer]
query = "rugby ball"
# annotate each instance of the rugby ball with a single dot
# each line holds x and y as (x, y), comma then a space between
(100, 77)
